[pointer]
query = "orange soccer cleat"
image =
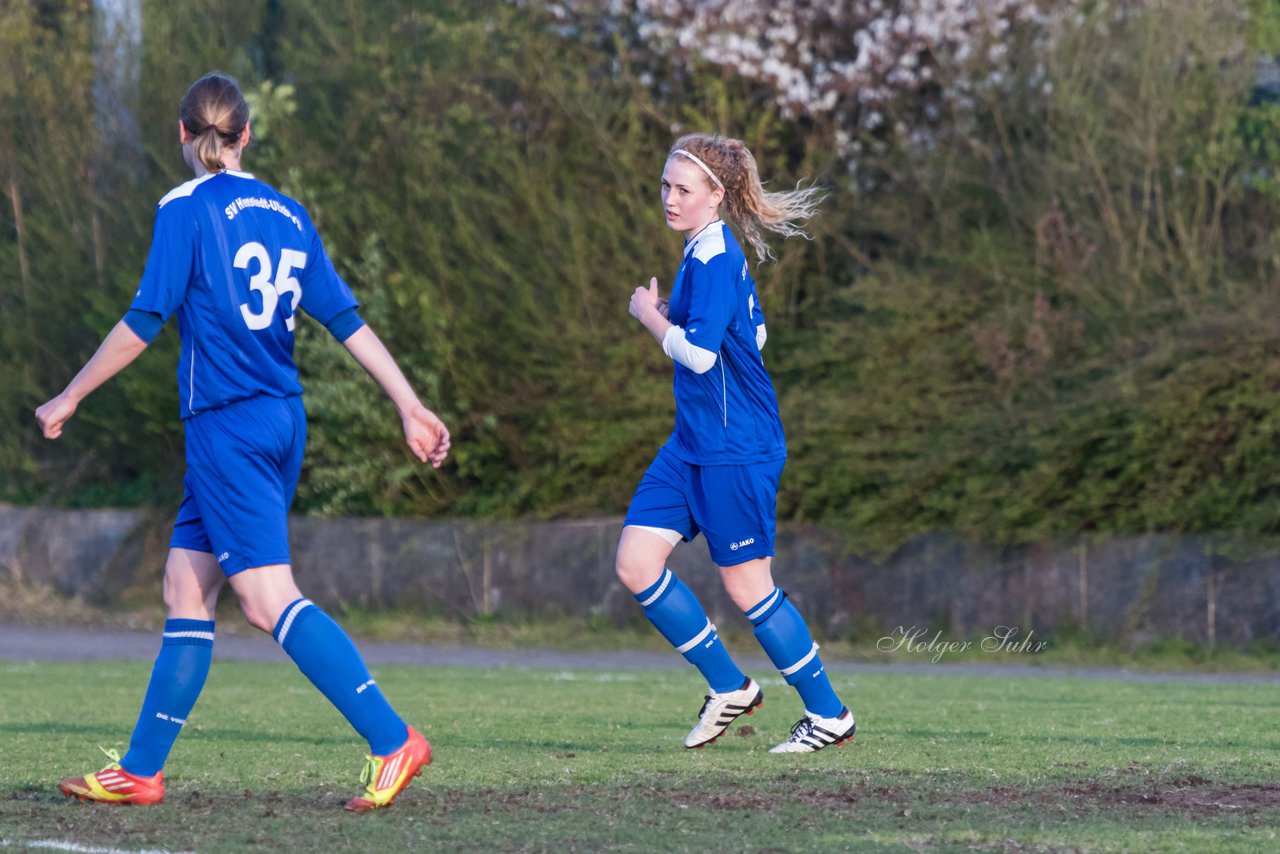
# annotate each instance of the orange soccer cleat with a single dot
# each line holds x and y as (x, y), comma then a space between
(114, 785)
(386, 776)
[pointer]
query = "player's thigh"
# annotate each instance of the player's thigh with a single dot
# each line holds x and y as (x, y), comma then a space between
(188, 528)
(642, 555)
(192, 580)
(658, 518)
(242, 467)
(736, 509)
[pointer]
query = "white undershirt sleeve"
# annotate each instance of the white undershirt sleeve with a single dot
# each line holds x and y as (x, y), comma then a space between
(695, 358)
(761, 337)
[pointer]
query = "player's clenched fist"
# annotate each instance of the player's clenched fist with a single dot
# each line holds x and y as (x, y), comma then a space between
(427, 436)
(644, 298)
(53, 414)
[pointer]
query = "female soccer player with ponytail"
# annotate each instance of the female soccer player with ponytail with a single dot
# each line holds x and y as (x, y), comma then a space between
(718, 472)
(236, 260)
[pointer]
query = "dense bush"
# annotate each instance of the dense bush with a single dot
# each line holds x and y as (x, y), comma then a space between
(1047, 314)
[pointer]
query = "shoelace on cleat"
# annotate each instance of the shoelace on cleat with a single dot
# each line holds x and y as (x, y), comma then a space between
(803, 728)
(369, 773)
(706, 701)
(113, 755)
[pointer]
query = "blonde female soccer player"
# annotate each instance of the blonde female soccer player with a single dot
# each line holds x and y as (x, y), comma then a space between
(237, 261)
(718, 472)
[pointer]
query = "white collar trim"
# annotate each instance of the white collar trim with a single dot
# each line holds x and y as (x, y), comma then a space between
(702, 233)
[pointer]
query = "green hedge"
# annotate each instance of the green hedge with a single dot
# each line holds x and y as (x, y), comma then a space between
(1055, 319)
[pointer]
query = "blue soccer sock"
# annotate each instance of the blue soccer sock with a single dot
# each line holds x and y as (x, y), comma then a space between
(677, 614)
(176, 681)
(786, 640)
(327, 657)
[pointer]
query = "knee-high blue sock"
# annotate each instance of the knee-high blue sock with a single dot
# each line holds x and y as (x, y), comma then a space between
(176, 681)
(327, 657)
(786, 640)
(677, 614)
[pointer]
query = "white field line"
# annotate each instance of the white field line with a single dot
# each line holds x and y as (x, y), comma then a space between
(59, 845)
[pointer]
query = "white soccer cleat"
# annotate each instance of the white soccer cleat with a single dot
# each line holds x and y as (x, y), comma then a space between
(813, 733)
(720, 710)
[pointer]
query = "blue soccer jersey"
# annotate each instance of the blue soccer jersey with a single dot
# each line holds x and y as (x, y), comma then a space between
(728, 415)
(236, 260)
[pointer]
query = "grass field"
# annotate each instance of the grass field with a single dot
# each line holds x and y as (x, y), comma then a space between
(535, 760)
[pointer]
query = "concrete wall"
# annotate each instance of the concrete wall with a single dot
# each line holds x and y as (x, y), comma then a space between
(1223, 590)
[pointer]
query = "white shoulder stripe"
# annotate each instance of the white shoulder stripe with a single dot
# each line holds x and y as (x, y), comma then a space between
(709, 244)
(183, 190)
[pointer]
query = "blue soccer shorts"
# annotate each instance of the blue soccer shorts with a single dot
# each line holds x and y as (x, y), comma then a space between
(734, 507)
(243, 462)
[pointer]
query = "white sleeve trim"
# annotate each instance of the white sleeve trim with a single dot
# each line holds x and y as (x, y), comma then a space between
(761, 337)
(695, 358)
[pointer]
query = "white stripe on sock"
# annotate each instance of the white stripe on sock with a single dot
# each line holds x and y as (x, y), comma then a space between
(289, 618)
(766, 606)
(666, 580)
(202, 635)
(801, 663)
(683, 648)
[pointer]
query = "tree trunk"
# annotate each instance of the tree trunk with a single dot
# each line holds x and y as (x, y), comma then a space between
(19, 225)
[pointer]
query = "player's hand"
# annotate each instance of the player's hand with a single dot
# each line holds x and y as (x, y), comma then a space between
(664, 307)
(427, 436)
(645, 299)
(54, 414)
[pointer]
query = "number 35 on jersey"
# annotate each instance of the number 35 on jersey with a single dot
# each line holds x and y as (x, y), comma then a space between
(254, 259)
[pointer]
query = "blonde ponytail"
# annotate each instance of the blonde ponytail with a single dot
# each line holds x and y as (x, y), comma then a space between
(752, 209)
(215, 113)
(207, 148)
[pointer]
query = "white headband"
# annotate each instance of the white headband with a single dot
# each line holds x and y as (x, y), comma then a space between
(704, 167)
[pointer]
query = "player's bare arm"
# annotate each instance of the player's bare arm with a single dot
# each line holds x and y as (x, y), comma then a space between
(425, 433)
(121, 346)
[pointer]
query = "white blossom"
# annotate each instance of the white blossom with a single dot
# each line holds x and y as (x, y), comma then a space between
(833, 61)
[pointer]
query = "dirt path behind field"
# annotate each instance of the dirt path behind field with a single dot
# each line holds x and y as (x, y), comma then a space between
(41, 643)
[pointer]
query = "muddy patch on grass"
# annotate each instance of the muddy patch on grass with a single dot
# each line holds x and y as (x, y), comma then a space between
(1192, 795)
(1188, 795)
(730, 798)
(1200, 797)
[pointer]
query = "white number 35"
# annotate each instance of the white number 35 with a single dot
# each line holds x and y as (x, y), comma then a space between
(285, 283)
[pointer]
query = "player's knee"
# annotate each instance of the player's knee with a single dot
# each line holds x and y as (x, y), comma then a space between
(635, 571)
(741, 596)
(257, 616)
(623, 566)
(746, 584)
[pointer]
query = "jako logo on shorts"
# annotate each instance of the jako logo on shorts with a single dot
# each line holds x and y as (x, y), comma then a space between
(733, 547)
